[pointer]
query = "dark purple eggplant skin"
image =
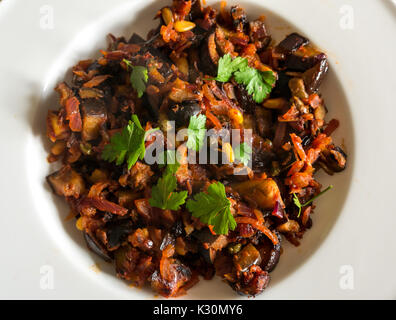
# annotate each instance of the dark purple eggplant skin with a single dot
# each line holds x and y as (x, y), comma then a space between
(314, 76)
(181, 113)
(291, 43)
(96, 247)
(244, 99)
(117, 232)
(281, 88)
(207, 65)
(239, 16)
(301, 64)
(270, 254)
(136, 39)
(196, 10)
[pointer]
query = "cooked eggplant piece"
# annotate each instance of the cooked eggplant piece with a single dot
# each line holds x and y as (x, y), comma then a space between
(94, 115)
(269, 253)
(66, 182)
(291, 43)
(244, 99)
(173, 275)
(297, 88)
(196, 10)
(56, 128)
(239, 18)
(136, 39)
(281, 88)
(335, 159)
(117, 232)
(210, 243)
(251, 282)
(258, 34)
(313, 77)
(181, 113)
(264, 192)
(87, 93)
(301, 63)
(96, 247)
(247, 257)
(209, 55)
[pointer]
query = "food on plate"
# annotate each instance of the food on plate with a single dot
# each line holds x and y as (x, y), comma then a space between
(167, 223)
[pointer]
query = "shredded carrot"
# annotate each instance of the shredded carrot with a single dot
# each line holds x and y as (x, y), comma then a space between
(297, 143)
(213, 119)
(259, 226)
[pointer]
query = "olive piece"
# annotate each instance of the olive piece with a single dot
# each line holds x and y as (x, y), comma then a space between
(181, 113)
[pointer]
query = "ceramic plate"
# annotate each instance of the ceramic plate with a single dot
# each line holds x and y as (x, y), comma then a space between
(350, 252)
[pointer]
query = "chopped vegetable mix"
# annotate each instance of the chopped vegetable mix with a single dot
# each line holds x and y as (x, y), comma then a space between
(146, 133)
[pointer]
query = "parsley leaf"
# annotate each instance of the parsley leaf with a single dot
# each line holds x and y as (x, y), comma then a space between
(196, 132)
(299, 205)
(227, 66)
(213, 208)
(243, 153)
(138, 78)
(127, 144)
(163, 194)
(258, 83)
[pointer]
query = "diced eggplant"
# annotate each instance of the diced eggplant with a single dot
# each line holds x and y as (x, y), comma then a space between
(247, 257)
(301, 63)
(251, 282)
(152, 100)
(97, 247)
(181, 113)
(56, 128)
(136, 39)
(173, 276)
(264, 192)
(258, 34)
(117, 232)
(87, 93)
(66, 182)
(239, 18)
(209, 55)
(270, 254)
(210, 243)
(199, 36)
(244, 99)
(335, 159)
(291, 43)
(94, 115)
(196, 10)
(281, 88)
(313, 77)
(297, 88)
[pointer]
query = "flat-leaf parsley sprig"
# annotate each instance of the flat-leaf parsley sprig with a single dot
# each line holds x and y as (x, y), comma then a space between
(298, 203)
(196, 132)
(138, 77)
(213, 208)
(127, 144)
(258, 83)
(163, 194)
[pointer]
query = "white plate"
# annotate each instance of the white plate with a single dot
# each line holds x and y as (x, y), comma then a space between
(351, 250)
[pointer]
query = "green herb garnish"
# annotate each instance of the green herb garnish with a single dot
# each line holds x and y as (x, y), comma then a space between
(243, 153)
(213, 208)
(298, 203)
(138, 77)
(127, 144)
(196, 132)
(227, 66)
(163, 194)
(258, 83)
